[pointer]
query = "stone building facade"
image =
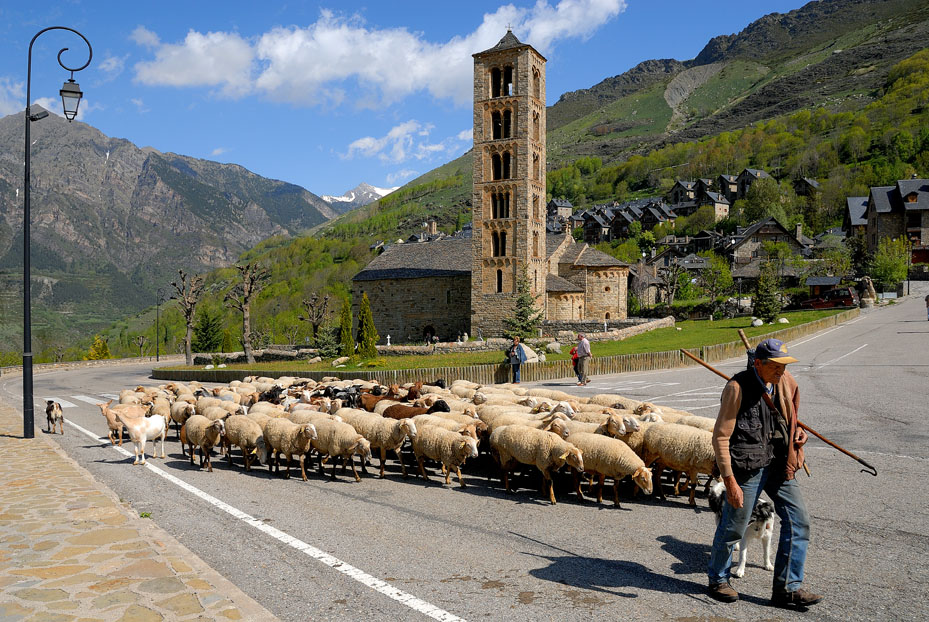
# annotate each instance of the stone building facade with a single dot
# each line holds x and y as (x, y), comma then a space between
(452, 286)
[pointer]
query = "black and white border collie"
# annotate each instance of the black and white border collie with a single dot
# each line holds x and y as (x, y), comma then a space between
(761, 527)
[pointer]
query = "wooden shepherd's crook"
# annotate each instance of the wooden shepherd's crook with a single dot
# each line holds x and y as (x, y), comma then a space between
(870, 469)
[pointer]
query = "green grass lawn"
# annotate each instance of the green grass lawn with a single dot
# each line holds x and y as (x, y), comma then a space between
(692, 334)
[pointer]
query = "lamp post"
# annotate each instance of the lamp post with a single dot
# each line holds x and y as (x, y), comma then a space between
(160, 298)
(70, 100)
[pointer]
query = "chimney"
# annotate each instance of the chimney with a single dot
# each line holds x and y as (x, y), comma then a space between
(799, 234)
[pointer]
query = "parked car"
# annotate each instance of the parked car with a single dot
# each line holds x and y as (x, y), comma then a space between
(838, 297)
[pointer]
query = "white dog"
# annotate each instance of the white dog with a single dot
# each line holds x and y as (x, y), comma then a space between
(761, 527)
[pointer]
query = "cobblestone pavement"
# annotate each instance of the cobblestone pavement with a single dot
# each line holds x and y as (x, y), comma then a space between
(69, 550)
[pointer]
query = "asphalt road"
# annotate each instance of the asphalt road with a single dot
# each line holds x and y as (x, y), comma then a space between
(398, 548)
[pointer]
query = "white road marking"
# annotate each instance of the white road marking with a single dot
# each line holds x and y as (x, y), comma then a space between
(816, 336)
(89, 400)
(357, 574)
(702, 407)
(838, 358)
(684, 401)
(64, 403)
(110, 396)
(661, 397)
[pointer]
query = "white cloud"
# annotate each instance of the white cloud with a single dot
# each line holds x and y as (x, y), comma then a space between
(214, 59)
(465, 135)
(141, 108)
(112, 66)
(145, 37)
(12, 95)
(308, 65)
(219, 151)
(407, 141)
(401, 175)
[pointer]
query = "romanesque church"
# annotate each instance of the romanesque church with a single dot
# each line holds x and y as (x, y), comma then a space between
(467, 284)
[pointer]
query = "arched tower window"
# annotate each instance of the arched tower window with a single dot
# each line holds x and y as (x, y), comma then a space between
(508, 87)
(507, 123)
(535, 166)
(494, 244)
(535, 251)
(496, 123)
(497, 165)
(535, 126)
(502, 244)
(505, 200)
(505, 168)
(495, 82)
(536, 213)
(536, 84)
(499, 281)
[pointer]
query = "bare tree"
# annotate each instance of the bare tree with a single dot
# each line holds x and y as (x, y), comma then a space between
(670, 277)
(188, 291)
(315, 310)
(254, 278)
(291, 333)
(140, 342)
(60, 350)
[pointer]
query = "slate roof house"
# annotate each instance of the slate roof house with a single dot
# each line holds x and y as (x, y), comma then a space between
(900, 210)
(746, 178)
(855, 221)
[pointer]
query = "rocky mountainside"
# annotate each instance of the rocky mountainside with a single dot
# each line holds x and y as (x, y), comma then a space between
(129, 217)
(827, 52)
(359, 196)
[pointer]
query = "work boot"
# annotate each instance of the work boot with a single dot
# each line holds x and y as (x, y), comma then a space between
(799, 599)
(723, 592)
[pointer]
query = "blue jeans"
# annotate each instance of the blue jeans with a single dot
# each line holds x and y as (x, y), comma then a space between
(795, 528)
(515, 372)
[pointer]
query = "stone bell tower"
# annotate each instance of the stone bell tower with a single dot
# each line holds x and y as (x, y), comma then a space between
(509, 181)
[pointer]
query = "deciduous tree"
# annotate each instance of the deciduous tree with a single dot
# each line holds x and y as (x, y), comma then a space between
(254, 278)
(188, 290)
(715, 279)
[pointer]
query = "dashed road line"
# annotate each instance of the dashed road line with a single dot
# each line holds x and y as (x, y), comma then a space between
(89, 400)
(64, 403)
(348, 570)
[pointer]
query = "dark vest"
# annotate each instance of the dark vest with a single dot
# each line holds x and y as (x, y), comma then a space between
(750, 445)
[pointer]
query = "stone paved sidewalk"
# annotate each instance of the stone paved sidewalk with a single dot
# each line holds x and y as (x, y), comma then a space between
(70, 551)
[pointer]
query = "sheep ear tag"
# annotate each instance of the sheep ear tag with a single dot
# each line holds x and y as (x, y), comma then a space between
(563, 456)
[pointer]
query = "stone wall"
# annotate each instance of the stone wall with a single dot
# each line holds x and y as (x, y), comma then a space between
(406, 308)
(606, 293)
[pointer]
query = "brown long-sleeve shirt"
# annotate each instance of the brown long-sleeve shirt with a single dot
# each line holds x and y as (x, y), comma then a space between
(788, 402)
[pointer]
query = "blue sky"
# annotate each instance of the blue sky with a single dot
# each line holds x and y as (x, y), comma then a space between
(329, 94)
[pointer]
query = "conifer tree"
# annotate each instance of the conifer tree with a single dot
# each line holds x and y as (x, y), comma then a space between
(525, 320)
(767, 304)
(367, 333)
(345, 329)
(208, 332)
(98, 350)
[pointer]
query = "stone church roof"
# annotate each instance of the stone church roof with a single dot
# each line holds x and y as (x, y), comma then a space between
(508, 42)
(591, 257)
(419, 260)
(557, 284)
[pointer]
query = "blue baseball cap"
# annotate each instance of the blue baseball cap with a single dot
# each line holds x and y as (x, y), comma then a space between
(773, 350)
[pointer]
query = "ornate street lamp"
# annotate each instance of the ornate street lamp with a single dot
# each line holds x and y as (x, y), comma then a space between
(70, 100)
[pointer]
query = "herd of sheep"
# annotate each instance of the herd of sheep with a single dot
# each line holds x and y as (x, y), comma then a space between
(604, 436)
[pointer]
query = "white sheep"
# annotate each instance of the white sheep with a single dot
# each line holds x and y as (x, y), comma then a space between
(697, 421)
(612, 425)
(681, 448)
(198, 431)
(610, 457)
(285, 437)
(614, 400)
(180, 413)
(544, 450)
(244, 433)
(335, 439)
(383, 434)
(143, 429)
(447, 447)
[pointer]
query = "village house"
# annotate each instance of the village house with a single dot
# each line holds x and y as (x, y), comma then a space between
(855, 222)
(728, 186)
(901, 210)
(746, 178)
